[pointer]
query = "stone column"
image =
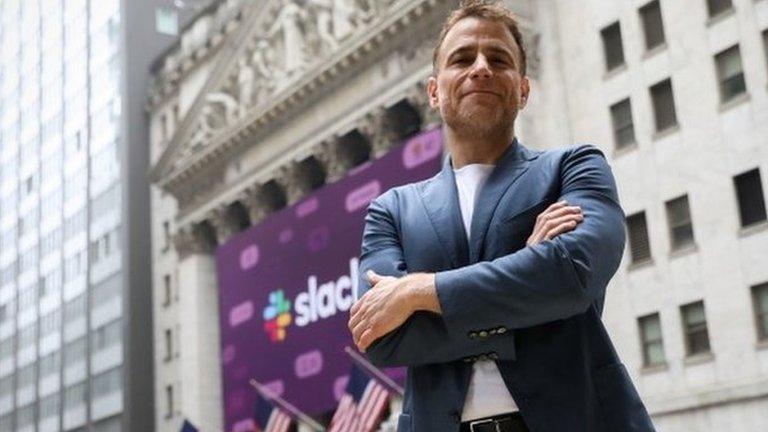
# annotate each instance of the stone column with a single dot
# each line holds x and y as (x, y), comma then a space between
(190, 240)
(223, 224)
(199, 364)
(419, 100)
(255, 201)
(290, 178)
(375, 128)
(330, 157)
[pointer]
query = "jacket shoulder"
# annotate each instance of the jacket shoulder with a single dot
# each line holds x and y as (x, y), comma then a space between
(392, 197)
(574, 151)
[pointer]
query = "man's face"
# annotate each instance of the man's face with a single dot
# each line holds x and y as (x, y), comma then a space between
(479, 87)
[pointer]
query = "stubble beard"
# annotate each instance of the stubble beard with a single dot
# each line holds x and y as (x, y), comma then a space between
(479, 122)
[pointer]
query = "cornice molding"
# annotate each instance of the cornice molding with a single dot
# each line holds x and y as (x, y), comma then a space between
(173, 170)
(176, 63)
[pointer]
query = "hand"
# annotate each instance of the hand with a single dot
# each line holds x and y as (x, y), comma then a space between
(385, 306)
(555, 220)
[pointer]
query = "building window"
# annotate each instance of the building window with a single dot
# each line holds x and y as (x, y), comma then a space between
(107, 336)
(74, 352)
(730, 75)
(760, 301)
(639, 245)
(650, 336)
(166, 235)
(107, 383)
(765, 45)
(50, 324)
(166, 290)
(49, 406)
(680, 223)
(169, 401)
(623, 127)
(749, 192)
(29, 185)
(695, 328)
(614, 52)
(653, 25)
(168, 345)
(50, 364)
(25, 377)
(25, 417)
(74, 396)
(663, 105)
(716, 7)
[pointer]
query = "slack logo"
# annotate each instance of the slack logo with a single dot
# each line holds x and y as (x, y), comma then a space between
(277, 316)
(320, 301)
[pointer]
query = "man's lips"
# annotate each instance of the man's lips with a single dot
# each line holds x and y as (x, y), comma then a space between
(480, 92)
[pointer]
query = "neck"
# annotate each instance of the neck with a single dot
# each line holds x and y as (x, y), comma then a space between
(467, 150)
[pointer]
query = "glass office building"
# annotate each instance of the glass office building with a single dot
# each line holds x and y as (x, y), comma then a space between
(65, 355)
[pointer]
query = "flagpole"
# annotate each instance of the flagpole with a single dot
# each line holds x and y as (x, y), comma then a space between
(270, 395)
(373, 370)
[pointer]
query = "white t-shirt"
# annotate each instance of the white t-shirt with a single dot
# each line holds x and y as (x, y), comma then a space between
(487, 395)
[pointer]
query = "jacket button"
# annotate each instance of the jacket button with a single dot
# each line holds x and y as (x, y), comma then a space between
(483, 334)
(473, 335)
(493, 332)
(501, 330)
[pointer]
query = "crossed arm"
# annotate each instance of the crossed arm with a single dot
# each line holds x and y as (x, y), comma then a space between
(422, 318)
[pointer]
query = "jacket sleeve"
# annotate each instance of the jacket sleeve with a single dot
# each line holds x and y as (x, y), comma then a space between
(554, 279)
(423, 338)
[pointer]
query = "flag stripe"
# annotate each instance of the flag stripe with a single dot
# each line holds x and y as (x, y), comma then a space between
(362, 406)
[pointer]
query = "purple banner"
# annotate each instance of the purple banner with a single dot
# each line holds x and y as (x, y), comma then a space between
(286, 285)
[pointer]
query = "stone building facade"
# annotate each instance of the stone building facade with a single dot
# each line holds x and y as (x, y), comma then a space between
(261, 103)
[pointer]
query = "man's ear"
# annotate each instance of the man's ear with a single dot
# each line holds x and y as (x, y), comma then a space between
(434, 101)
(525, 92)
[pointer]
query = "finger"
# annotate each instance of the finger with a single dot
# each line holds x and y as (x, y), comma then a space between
(356, 318)
(549, 221)
(358, 327)
(556, 205)
(377, 278)
(555, 210)
(365, 340)
(550, 225)
(358, 330)
(562, 211)
(539, 230)
(563, 228)
(357, 305)
(561, 225)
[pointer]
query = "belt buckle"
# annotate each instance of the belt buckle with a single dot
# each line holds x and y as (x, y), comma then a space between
(472, 424)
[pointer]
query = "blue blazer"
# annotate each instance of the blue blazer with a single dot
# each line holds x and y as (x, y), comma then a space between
(534, 310)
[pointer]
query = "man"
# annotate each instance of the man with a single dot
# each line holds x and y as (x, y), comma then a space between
(494, 304)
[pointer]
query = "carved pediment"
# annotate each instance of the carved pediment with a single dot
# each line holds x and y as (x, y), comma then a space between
(283, 51)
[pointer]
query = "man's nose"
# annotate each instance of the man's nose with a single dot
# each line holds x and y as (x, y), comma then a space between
(481, 68)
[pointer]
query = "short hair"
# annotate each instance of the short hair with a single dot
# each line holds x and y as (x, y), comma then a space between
(485, 9)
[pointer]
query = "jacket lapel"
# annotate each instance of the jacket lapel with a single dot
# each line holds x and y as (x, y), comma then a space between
(512, 164)
(441, 201)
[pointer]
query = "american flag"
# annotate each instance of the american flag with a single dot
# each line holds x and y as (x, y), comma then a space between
(362, 406)
(269, 418)
(187, 426)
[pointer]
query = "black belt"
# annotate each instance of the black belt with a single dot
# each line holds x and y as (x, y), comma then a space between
(511, 422)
